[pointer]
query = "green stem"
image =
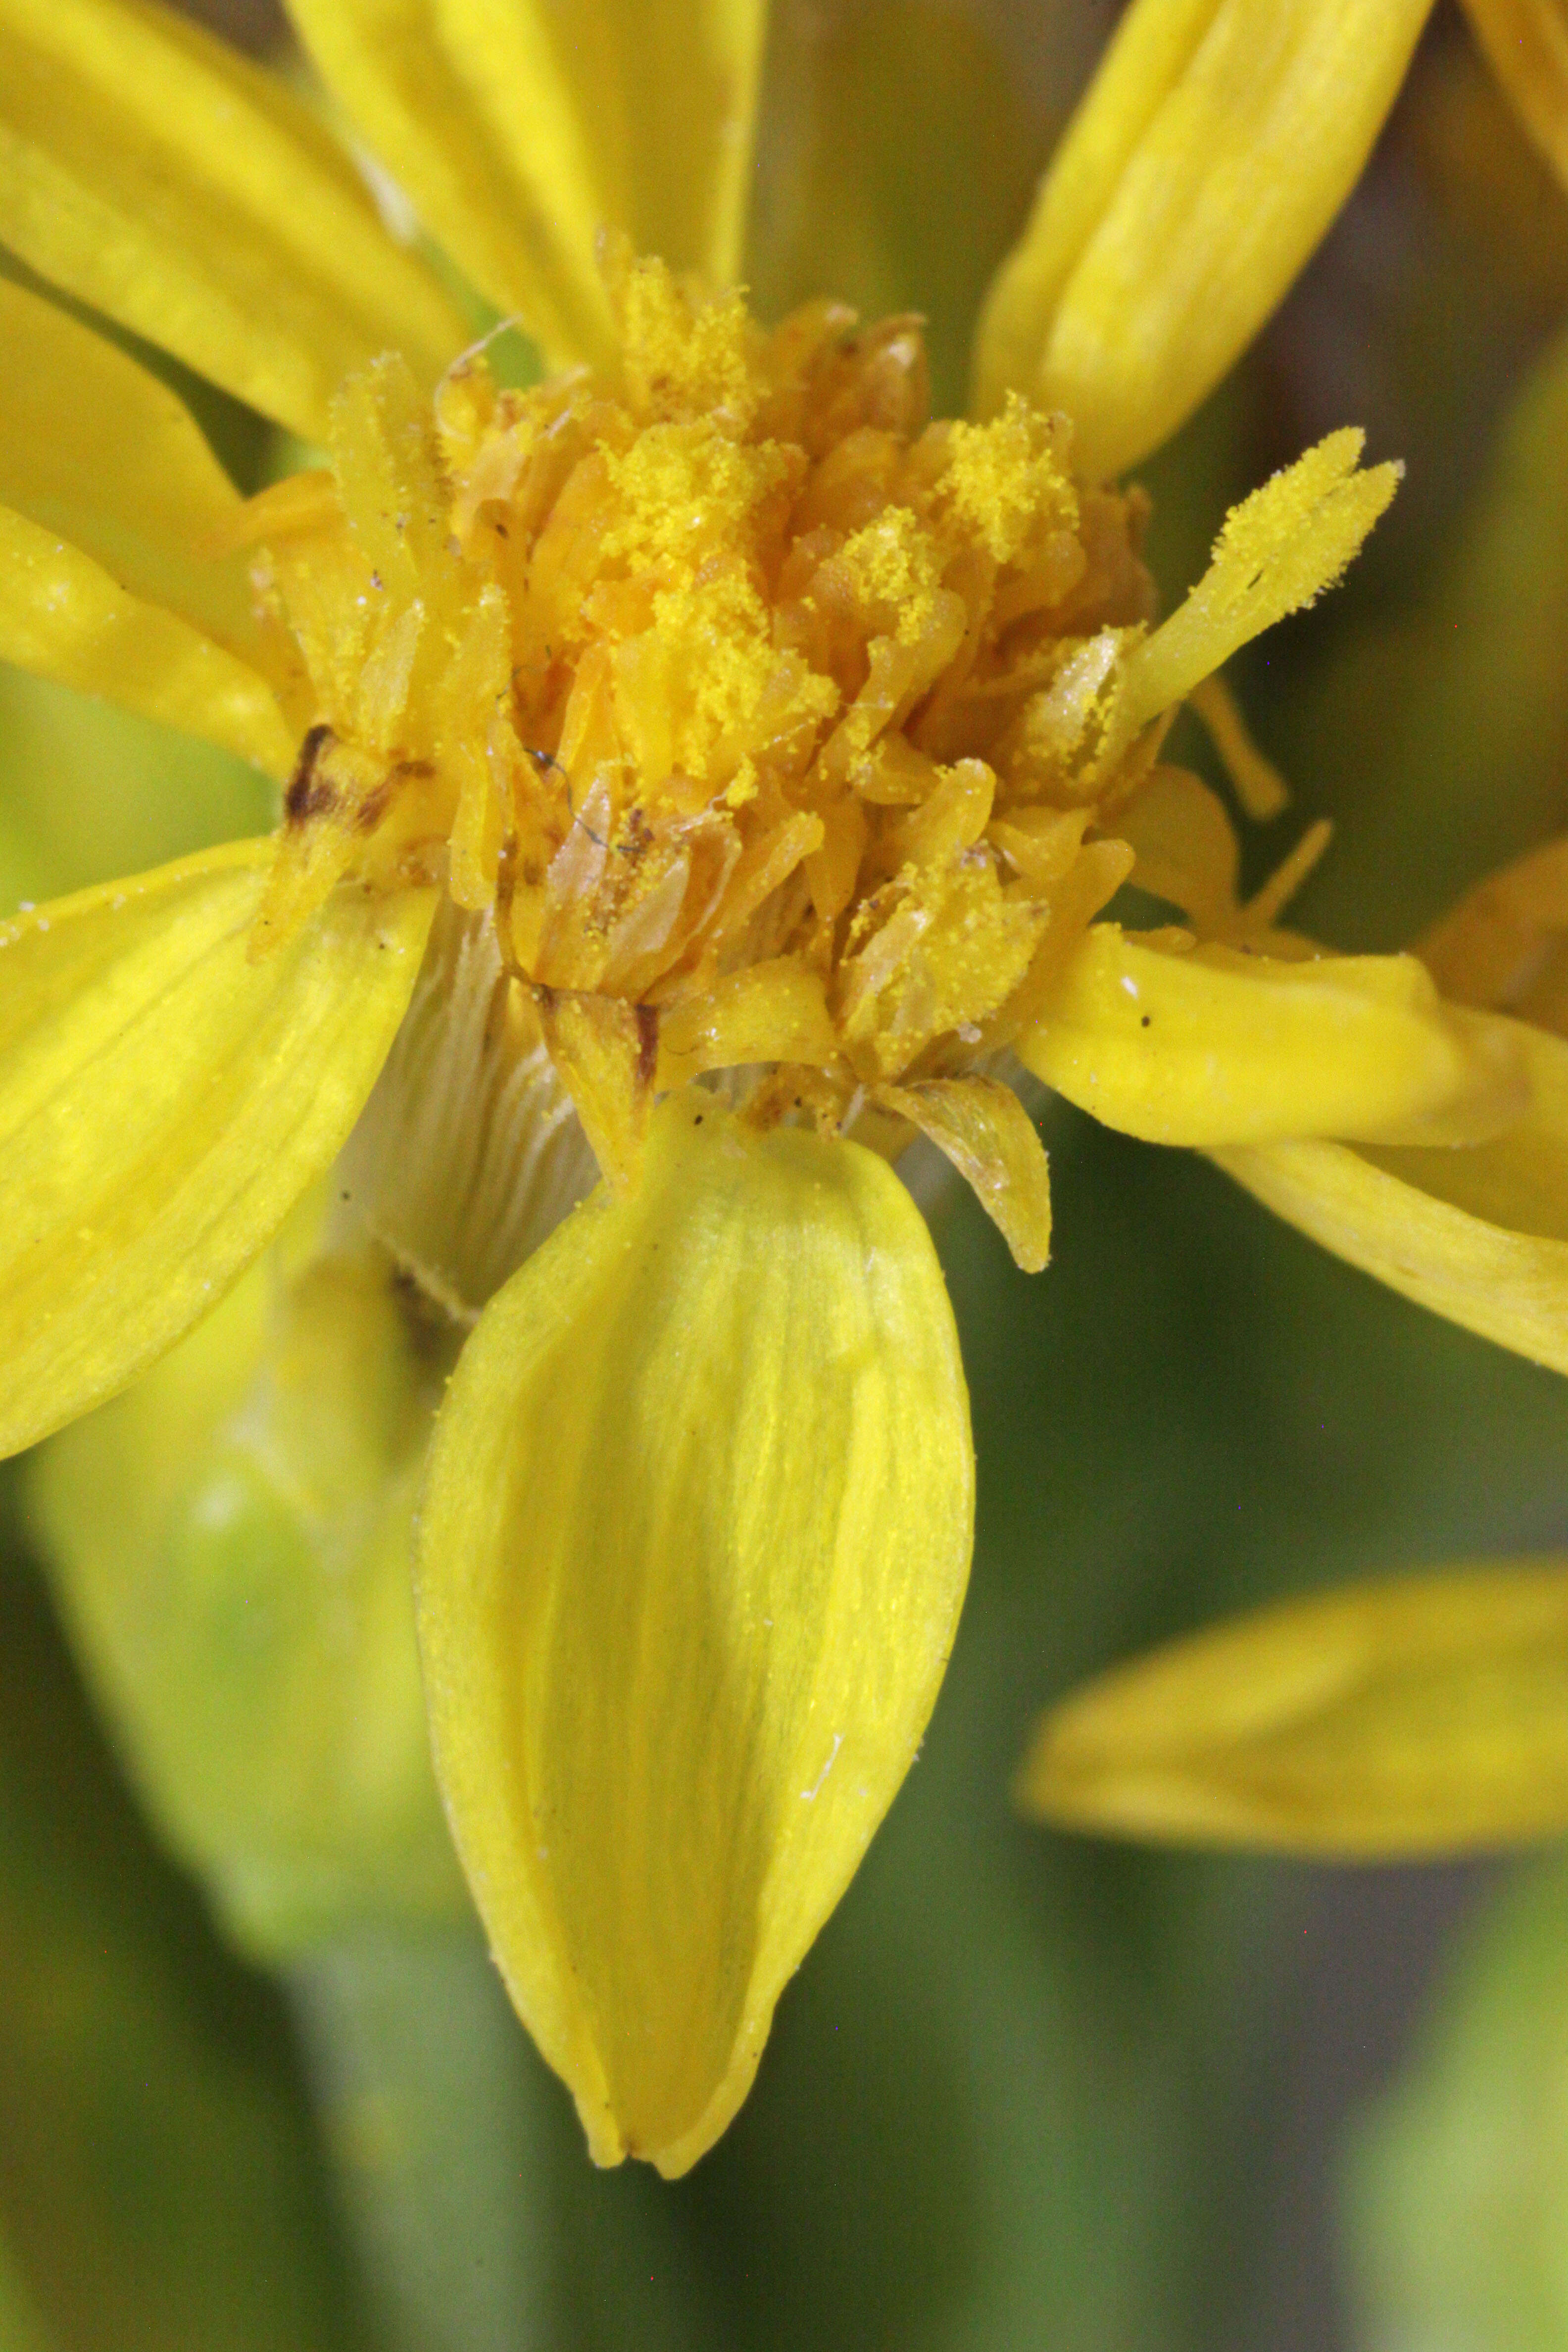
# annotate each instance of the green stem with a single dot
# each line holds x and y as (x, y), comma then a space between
(434, 2117)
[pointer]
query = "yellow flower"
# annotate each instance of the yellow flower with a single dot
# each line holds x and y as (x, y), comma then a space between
(704, 740)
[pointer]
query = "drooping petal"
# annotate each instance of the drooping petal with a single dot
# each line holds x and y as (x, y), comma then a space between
(1214, 1046)
(165, 1098)
(980, 1126)
(1218, 141)
(520, 128)
(1526, 43)
(64, 617)
(1278, 552)
(1422, 1717)
(154, 172)
(695, 1535)
(1479, 1234)
(94, 448)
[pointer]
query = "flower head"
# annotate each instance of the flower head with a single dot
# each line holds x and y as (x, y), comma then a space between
(703, 758)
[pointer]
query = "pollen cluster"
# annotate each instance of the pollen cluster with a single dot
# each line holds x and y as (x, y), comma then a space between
(773, 723)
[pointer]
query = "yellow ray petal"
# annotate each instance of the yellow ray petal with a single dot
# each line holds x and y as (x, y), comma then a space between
(94, 448)
(1526, 43)
(1145, 61)
(1479, 1234)
(157, 174)
(520, 128)
(984, 1129)
(62, 616)
(694, 1538)
(163, 1101)
(1390, 1720)
(1218, 141)
(1217, 1046)
(1278, 552)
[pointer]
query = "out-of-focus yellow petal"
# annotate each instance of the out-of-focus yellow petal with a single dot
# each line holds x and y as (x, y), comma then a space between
(1186, 846)
(1506, 942)
(1278, 552)
(94, 448)
(62, 616)
(1214, 1046)
(1427, 1715)
(1479, 1234)
(1217, 142)
(165, 1099)
(984, 1129)
(695, 1535)
(1526, 42)
(162, 177)
(1153, 48)
(520, 128)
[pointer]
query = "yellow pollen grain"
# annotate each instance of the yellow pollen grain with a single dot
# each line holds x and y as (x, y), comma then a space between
(895, 562)
(1007, 477)
(684, 489)
(686, 355)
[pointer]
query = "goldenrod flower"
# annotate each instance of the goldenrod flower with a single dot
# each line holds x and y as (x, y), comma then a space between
(708, 742)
